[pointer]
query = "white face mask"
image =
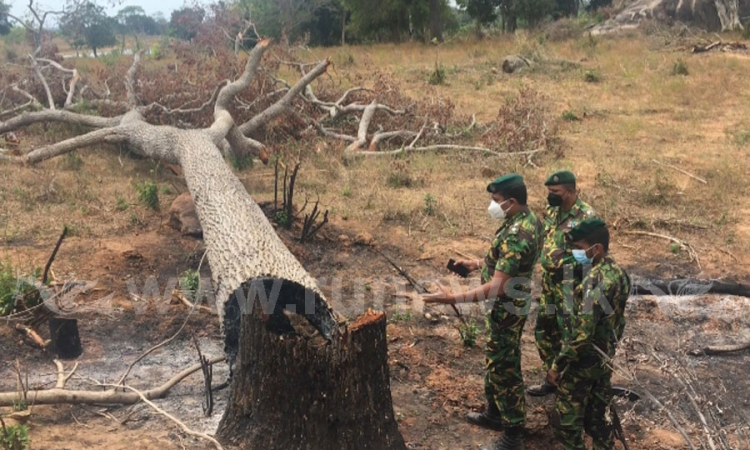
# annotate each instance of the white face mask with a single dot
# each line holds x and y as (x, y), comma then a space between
(496, 210)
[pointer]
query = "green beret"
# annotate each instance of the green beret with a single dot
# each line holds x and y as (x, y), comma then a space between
(505, 181)
(560, 177)
(585, 228)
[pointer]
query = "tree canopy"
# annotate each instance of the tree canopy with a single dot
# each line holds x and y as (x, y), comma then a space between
(86, 24)
(4, 20)
(186, 22)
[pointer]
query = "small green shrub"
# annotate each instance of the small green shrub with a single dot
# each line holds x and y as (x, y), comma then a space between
(346, 192)
(402, 316)
(15, 437)
(675, 248)
(742, 137)
(148, 194)
(680, 67)
(437, 76)
(121, 204)
(430, 204)
(570, 116)
(469, 333)
(281, 218)
(592, 76)
(241, 162)
(400, 179)
(190, 281)
(16, 294)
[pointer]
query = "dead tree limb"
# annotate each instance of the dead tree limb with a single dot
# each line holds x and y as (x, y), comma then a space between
(683, 244)
(54, 253)
(56, 396)
(721, 349)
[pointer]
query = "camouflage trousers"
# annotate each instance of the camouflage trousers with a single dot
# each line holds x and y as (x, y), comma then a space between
(582, 403)
(503, 383)
(548, 330)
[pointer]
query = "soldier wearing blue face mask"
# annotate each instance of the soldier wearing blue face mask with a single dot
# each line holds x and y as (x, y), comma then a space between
(559, 265)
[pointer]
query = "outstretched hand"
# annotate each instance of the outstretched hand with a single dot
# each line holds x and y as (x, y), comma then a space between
(441, 296)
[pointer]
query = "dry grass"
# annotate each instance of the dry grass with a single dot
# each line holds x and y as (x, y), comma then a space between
(637, 113)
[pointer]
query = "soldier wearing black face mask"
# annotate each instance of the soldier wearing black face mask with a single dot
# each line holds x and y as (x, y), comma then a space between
(565, 211)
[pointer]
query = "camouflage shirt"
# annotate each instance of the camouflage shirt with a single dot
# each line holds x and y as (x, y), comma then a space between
(597, 319)
(515, 249)
(557, 252)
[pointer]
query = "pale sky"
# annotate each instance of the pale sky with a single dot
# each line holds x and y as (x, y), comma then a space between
(20, 7)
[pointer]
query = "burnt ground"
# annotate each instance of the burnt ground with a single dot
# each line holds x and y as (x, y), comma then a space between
(436, 379)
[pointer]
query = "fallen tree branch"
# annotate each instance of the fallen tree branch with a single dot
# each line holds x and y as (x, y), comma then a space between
(721, 349)
(110, 397)
(688, 286)
(33, 335)
(364, 125)
(145, 398)
(683, 244)
(442, 147)
(681, 171)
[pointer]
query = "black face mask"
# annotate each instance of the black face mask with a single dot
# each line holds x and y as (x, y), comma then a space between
(554, 199)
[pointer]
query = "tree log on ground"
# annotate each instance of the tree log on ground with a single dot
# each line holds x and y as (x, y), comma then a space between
(307, 384)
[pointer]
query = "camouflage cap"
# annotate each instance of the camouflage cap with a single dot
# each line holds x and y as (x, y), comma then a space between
(560, 177)
(585, 228)
(505, 181)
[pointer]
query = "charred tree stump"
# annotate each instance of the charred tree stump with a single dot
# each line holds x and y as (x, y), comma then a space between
(65, 341)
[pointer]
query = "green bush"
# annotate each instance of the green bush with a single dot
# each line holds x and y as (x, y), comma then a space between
(16, 294)
(241, 162)
(15, 437)
(402, 316)
(430, 204)
(148, 194)
(680, 68)
(469, 333)
(281, 218)
(190, 281)
(570, 116)
(592, 76)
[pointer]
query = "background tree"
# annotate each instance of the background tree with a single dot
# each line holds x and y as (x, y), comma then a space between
(133, 20)
(483, 12)
(4, 19)
(87, 24)
(533, 12)
(395, 20)
(436, 22)
(186, 22)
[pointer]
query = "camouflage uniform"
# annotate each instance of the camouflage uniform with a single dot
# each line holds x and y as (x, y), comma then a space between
(558, 264)
(514, 252)
(583, 394)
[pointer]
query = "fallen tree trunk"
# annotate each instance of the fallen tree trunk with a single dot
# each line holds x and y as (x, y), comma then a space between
(687, 286)
(288, 392)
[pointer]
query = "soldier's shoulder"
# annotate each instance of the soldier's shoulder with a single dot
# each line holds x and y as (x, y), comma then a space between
(587, 211)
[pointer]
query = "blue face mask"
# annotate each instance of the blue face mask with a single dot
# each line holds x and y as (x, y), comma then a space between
(580, 256)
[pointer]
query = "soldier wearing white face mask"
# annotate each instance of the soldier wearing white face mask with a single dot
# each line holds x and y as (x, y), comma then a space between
(506, 276)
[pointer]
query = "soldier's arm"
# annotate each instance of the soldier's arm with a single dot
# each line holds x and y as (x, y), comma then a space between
(584, 324)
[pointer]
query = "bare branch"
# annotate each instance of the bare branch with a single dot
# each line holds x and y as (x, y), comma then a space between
(387, 135)
(332, 134)
(442, 147)
(73, 81)
(198, 109)
(364, 125)
(111, 135)
(48, 115)
(110, 396)
(38, 73)
(130, 77)
(283, 103)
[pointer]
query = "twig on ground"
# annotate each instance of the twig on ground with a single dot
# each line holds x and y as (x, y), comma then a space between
(684, 244)
(681, 171)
